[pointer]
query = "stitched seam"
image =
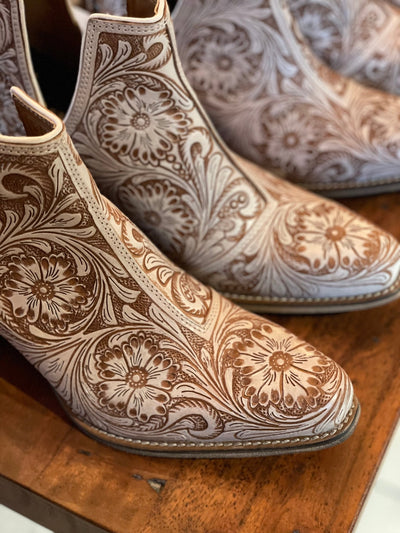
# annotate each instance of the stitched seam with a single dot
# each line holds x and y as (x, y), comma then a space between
(347, 185)
(31, 149)
(19, 39)
(95, 211)
(128, 27)
(257, 443)
(359, 297)
(88, 58)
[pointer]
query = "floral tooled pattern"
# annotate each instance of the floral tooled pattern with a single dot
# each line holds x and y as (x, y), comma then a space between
(359, 38)
(345, 142)
(119, 354)
(12, 57)
(288, 373)
(136, 378)
(340, 237)
(152, 154)
(186, 293)
(190, 294)
(229, 223)
(8, 70)
(163, 217)
(291, 140)
(64, 293)
(142, 124)
(126, 338)
(45, 289)
(233, 59)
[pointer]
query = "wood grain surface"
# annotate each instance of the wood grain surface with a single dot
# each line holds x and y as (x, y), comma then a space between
(57, 475)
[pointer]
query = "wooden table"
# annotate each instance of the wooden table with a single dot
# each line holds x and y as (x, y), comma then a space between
(54, 474)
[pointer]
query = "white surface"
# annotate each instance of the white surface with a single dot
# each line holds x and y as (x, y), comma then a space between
(381, 512)
(11, 522)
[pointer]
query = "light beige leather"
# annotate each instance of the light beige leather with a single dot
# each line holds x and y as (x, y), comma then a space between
(143, 356)
(275, 103)
(359, 38)
(152, 150)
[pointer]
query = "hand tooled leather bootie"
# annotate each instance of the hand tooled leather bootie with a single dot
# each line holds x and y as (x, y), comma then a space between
(278, 105)
(360, 38)
(152, 150)
(142, 356)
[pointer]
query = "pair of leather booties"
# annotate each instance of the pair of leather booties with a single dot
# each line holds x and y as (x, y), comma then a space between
(143, 356)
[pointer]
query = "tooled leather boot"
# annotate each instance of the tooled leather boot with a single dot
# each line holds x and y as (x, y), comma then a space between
(152, 150)
(275, 103)
(360, 39)
(262, 242)
(142, 356)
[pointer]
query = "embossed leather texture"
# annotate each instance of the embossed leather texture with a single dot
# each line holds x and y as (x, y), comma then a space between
(114, 7)
(275, 103)
(15, 65)
(142, 356)
(150, 146)
(360, 38)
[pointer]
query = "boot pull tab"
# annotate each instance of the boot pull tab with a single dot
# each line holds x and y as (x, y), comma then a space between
(35, 123)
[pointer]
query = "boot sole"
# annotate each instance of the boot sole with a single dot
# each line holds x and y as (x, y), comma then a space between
(305, 306)
(223, 449)
(353, 190)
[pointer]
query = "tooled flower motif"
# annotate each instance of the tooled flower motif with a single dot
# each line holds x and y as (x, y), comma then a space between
(291, 141)
(230, 56)
(161, 213)
(44, 289)
(338, 236)
(142, 123)
(325, 37)
(286, 373)
(136, 378)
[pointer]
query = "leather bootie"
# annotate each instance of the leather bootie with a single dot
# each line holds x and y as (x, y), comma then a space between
(278, 105)
(360, 38)
(142, 356)
(152, 150)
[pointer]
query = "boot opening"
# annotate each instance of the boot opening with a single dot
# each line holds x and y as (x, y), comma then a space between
(141, 8)
(55, 47)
